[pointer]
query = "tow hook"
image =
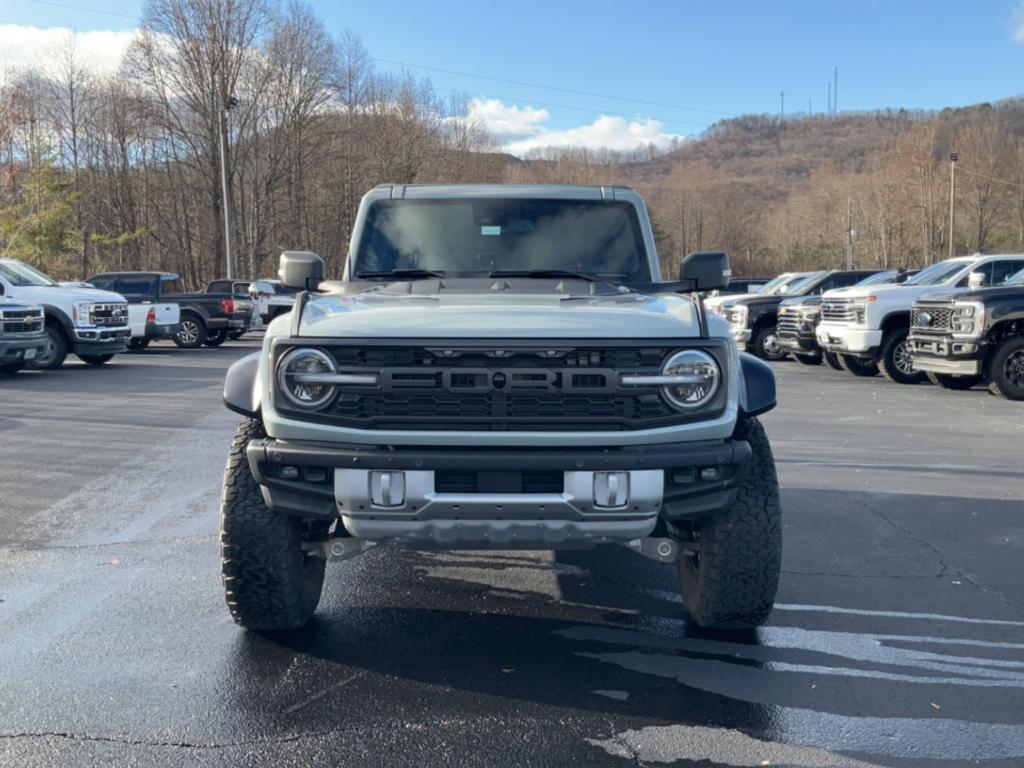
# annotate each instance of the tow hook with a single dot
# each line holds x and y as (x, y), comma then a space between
(339, 549)
(662, 550)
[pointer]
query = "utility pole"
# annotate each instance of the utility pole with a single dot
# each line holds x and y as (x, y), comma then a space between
(828, 108)
(849, 232)
(835, 91)
(782, 105)
(229, 235)
(952, 197)
(810, 109)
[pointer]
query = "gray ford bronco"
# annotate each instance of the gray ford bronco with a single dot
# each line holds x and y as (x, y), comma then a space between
(500, 367)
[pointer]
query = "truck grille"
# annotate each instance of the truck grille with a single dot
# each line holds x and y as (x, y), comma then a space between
(108, 315)
(556, 388)
(789, 322)
(838, 311)
(21, 321)
(924, 317)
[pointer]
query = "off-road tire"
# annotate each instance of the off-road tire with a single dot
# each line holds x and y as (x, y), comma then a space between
(96, 359)
(894, 357)
(765, 343)
(1006, 369)
(191, 332)
(215, 338)
(806, 359)
(269, 581)
(138, 345)
(856, 366)
(832, 360)
(732, 581)
(58, 348)
(952, 381)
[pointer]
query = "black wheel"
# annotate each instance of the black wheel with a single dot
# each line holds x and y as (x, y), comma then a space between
(8, 368)
(137, 345)
(832, 359)
(765, 344)
(216, 338)
(895, 359)
(56, 350)
(269, 581)
(857, 366)
(1006, 369)
(96, 359)
(806, 359)
(951, 381)
(235, 335)
(730, 579)
(191, 332)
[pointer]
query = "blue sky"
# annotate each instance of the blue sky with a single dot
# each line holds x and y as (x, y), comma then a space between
(726, 57)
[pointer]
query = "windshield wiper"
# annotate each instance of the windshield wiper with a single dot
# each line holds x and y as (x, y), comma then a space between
(542, 273)
(407, 274)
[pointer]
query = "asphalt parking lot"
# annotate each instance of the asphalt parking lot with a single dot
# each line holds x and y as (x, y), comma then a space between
(898, 639)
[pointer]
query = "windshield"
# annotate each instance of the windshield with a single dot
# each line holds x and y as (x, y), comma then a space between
(22, 275)
(784, 285)
(769, 288)
(879, 278)
(805, 284)
(474, 237)
(938, 273)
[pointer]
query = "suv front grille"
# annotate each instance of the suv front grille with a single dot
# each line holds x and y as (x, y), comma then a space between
(21, 321)
(108, 315)
(789, 322)
(838, 311)
(561, 387)
(924, 317)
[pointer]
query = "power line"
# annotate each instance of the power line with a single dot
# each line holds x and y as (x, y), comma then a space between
(555, 88)
(87, 10)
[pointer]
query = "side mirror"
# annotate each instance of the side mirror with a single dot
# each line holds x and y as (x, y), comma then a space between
(976, 280)
(706, 270)
(301, 270)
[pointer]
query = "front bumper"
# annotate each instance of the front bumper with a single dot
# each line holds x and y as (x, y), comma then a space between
(670, 481)
(799, 343)
(22, 350)
(946, 354)
(101, 341)
(846, 340)
(740, 335)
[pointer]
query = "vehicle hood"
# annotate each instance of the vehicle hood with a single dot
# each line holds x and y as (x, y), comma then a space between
(974, 294)
(6, 303)
(57, 294)
(801, 301)
(497, 309)
(884, 290)
(755, 300)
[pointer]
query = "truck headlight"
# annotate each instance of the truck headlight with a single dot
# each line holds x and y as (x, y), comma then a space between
(304, 378)
(968, 319)
(738, 315)
(695, 379)
(80, 312)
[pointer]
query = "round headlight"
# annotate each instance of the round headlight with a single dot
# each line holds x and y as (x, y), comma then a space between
(699, 379)
(297, 375)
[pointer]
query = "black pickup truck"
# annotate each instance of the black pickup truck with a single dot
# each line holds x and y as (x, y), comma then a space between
(961, 338)
(754, 317)
(206, 318)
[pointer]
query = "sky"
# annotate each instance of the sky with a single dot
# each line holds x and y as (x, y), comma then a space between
(620, 74)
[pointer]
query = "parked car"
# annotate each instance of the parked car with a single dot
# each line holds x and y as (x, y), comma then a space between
(869, 327)
(90, 323)
(22, 334)
(272, 299)
(148, 318)
(547, 396)
(776, 286)
(961, 338)
(799, 317)
(753, 318)
(205, 318)
(241, 290)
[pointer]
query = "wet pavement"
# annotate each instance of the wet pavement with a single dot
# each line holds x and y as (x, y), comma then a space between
(898, 639)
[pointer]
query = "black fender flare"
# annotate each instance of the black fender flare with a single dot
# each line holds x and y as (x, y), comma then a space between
(55, 313)
(241, 386)
(757, 393)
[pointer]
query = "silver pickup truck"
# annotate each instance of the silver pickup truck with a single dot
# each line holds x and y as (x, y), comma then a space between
(22, 334)
(500, 367)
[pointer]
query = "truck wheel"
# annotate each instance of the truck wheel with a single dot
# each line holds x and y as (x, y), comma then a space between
(951, 381)
(806, 359)
(269, 581)
(895, 360)
(1006, 369)
(96, 359)
(765, 344)
(833, 360)
(56, 350)
(856, 366)
(730, 582)
(216, 338)
(191, 332)
(137, 345)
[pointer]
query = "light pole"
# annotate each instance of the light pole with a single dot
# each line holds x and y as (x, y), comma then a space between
(952, 197)
(226, 187)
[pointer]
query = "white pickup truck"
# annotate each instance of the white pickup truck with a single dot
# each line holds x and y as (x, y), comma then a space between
(90, 323)
(149, 318)
(867, 327)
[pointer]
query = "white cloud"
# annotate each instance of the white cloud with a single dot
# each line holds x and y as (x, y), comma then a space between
(522, 129)
(23, 46)
(1018, 23)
